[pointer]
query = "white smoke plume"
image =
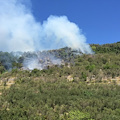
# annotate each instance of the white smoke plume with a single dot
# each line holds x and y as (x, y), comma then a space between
(32, 63)
(18, 28)
(19, 31)
(40, 60)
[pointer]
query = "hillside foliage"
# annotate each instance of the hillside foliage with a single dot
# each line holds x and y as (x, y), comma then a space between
(85, 88)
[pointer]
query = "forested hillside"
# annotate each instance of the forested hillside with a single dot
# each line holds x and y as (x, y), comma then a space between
(83, 87)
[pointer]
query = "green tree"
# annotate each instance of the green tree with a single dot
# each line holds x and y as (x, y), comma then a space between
(77, 115)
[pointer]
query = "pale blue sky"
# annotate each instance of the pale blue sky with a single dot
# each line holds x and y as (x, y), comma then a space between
(98, 19)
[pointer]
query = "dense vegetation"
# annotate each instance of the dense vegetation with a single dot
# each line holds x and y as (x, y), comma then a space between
(86, 89)
(106, 48)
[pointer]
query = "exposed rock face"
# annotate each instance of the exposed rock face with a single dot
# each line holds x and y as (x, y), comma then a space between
(7, 82)
(70, 78)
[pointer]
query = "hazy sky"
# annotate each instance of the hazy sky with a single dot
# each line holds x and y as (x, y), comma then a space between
(98, 19)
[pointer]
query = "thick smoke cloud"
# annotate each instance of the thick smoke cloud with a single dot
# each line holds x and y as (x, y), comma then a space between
(19, 31)
(18, 28)
(61, 32)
